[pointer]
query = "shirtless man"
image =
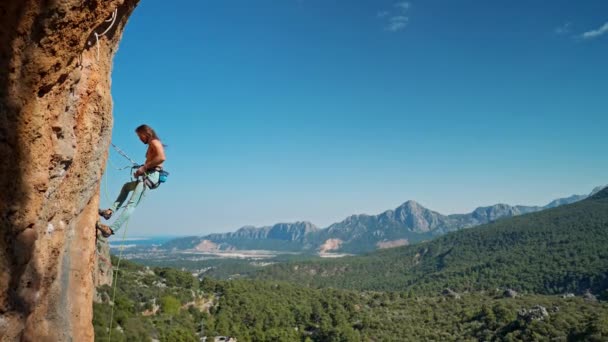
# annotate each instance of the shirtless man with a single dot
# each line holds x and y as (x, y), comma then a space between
(149, 173)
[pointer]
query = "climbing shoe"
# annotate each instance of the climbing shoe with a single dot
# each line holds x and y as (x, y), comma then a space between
(106, 231)
(105, 213)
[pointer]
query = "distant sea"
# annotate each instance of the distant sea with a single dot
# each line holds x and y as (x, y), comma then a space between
(135, 241)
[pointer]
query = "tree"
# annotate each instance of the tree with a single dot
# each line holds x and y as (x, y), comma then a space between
(170, 305)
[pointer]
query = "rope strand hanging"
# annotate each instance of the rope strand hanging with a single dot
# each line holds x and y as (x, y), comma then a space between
(97, 35)
(122, 244)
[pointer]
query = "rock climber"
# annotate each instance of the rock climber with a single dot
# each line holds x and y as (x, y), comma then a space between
(147, 176)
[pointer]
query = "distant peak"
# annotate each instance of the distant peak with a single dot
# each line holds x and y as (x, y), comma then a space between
(597, 189)
(295, 224)
(411, 204)
(411, 207)
(247, 227)
(494, 206)
(601, 194)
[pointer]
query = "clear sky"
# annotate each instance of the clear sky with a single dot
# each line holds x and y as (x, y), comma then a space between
(280, 111)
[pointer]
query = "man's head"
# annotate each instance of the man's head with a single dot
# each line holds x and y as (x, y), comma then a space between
(146, 133)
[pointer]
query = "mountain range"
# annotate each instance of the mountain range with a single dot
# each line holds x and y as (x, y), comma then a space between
(408, 223)
(554, 251)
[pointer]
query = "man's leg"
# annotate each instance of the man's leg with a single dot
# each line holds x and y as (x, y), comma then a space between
(122, 196)
(134, 200)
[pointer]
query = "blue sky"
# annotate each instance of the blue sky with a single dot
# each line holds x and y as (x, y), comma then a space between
(279, 111)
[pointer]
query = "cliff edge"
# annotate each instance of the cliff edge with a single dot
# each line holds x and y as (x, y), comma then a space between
(55, 128)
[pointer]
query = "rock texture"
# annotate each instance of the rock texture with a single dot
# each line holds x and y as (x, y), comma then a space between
(103, 274)
(536, 313)
(55, 128)
(510, 293)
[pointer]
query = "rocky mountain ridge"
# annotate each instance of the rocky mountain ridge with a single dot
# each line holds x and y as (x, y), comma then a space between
(281, 231)
(409, 223)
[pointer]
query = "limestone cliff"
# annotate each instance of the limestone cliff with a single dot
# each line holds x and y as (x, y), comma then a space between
(104, 272)
(55, 128)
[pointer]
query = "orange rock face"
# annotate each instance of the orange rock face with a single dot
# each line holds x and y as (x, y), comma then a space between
(55, 128)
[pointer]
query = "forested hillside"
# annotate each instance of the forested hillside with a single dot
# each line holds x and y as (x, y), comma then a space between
(558, 250)
(169, 305)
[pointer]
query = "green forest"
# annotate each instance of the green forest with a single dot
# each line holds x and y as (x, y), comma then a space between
(536, 277)
(257, 310)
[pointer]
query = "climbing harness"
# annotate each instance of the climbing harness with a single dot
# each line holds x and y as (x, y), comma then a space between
(162, 178)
